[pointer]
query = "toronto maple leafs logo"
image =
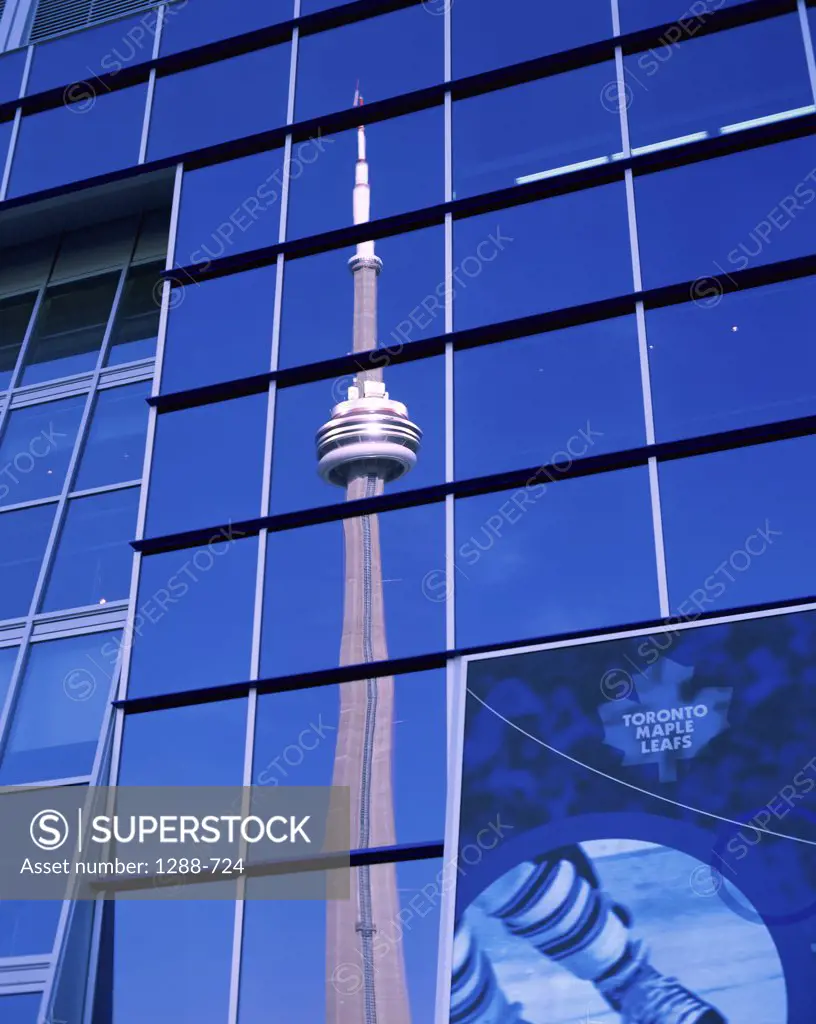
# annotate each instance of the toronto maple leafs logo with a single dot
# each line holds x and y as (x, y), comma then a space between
(658, 724)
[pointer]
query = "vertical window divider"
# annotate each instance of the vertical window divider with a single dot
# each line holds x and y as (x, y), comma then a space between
(804, 24)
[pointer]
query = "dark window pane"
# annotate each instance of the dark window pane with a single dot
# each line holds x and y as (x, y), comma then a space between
(380, 52)
(487, 37)
(635, 14)
(245, 94)
(114, 448)
(304, 971)
(5, 138)
(153, 235)
(303, 563)
(194, 24)
(406, 170)
(738, 526)
(90, 139)
(196, 745)
(207, 465)
(8, 657)
(27, 927)
(83, 56)
(299, 736)
(194, 618)
(559, 252)
(410, 298)
(94, 556)
(21, 1009)
(726, 214)
(708, 85)
(574, 128)
(65, 689)
(15, 314)
(219, 330)
(575, 392)
(11, 75)
(744, 358)
(559, 558)
(94, 249)
(36, 449)
(70, 327)
(23, 536)
(137, 319)
(229, 208)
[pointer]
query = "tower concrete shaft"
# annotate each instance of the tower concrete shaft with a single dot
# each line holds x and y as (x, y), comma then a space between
(365, 963)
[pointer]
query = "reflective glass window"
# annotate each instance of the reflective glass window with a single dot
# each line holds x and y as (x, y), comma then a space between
(93, 136)
(485, 37)
(299, 733)
(733, 360)
(84, 56)
(635, 14)
(55, 727)
(23, 537)
(11, 75)
(410, 298)
(195, 24)
(726, 214)
(207, 465)
(136, 327)
(15, 314)
(709, 85)
(572, 392)
(229, 208)
(406, 171)
(379, 52)
(545, 127)
(561, 251)
(311, 6)
(737, 526)
(309, 561)
(36, 448)
(8, 657)
(193, 625)
(305, 973)
(219, 330)
(300, 411)
(70, 328)
(20, 1009)
(114, 447)
(93, 249)
(153, 235)
(5, 138)
(94, 556)
(27, 927)
(194, 745)
(171, 957)
(245, 94)
(553, 558)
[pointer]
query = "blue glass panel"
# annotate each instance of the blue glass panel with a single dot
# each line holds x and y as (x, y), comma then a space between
(136, 327)
(575, 391)
(207, 465)
(11, 75)
(114, 447)
(245, 94)
(23, 536)
(534, 258)
(689, 18)
(65, 690)
(36, 449)
(287, 958)
(738, 526)
(194, 24)
(708, 85)
(548, 559)
(194, 618)
(300, 411)
(726, 214)
(15, 314)
(5, 138)
(406, 170)
(311, 6)
(84, 56)
(303, 563)
(27, 927)
(8, 657)
(219, 330)
(574, 128)
(410, 298)
(93, 136)
(195, 745)
(485, 37)
(745, 358)
(21, 1009)
(94, 556)
(229, 208)
(379, 52)
(171, 958)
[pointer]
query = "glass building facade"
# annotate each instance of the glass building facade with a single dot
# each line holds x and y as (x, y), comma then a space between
(597, 230)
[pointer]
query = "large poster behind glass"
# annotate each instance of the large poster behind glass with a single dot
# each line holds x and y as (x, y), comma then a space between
(637, 833)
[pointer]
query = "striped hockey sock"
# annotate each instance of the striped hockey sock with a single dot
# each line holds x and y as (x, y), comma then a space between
(476, 997)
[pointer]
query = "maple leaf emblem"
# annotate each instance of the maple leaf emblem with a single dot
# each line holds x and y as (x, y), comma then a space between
(656, 725)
